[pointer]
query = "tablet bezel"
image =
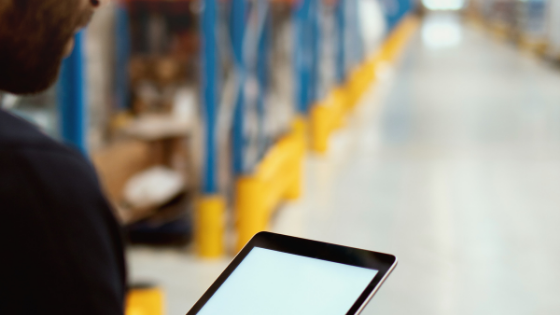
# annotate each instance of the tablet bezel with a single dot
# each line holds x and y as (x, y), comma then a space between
(383, 263)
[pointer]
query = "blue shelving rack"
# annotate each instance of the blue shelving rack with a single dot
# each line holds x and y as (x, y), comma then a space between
(250, 40)
(210, 94)
(395, 10)
(72, 97)
(307, 37)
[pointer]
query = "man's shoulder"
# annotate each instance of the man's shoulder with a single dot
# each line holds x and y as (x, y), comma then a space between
(16, 134)
(57, 227)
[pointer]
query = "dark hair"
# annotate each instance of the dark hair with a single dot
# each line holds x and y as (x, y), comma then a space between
(33, 37)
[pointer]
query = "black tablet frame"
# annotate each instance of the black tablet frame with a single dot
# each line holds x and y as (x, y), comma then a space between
(383, 263)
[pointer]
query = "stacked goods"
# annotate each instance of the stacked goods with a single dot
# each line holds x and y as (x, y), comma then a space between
(164, 40)
(553, 30)
(502, 18)
(279, 103)
(480, 10)
(532, 24)
(153, 136)
(531, 17)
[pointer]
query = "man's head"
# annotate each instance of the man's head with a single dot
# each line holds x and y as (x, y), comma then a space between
(35, 36)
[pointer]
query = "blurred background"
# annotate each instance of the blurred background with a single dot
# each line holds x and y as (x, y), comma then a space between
(426, 129)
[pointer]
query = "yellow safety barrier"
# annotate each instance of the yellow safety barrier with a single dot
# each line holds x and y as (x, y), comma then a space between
(210, 217)
(328, 115)
(358, 83)
(277, 178)
(394, 46)
(279, 175)
(145, 301)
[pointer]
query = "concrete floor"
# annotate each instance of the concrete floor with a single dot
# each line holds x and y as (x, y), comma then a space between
(453, 164)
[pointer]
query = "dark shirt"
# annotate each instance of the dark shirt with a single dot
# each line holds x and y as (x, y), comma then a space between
(60, 246)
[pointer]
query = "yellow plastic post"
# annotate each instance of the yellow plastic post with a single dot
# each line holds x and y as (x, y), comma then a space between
(328, 116)
(134, 310)
(295, 188)
(210, 226)
(295, 165)
(145, 301)
(250, 210)
(340, 102)
(299, 127)
(319, 129)
(352, 89)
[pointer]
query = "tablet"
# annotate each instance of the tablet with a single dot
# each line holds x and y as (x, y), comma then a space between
(282, 275)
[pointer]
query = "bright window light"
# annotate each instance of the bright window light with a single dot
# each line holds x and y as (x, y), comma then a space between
(451, 5)
(441, 32)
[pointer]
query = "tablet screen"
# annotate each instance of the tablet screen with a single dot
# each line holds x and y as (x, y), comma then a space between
(276, 283)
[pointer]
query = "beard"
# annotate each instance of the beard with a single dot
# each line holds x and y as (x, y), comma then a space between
(34, 35)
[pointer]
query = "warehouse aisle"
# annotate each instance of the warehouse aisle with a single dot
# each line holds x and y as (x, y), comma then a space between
(453, 164)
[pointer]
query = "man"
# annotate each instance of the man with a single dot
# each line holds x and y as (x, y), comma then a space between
(60, 244)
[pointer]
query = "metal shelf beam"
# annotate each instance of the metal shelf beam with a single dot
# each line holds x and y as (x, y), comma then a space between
(72, 97)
